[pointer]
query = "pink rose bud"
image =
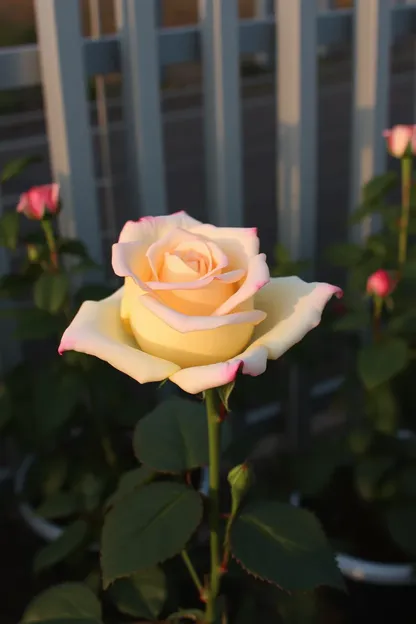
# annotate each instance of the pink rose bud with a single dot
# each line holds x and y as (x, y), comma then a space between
(381, 284)
(401, 140)
(39, 200)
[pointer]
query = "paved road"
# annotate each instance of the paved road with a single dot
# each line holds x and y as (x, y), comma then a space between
(183, 132)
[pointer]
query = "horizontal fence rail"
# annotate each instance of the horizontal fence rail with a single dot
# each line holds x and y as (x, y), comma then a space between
(20, 65)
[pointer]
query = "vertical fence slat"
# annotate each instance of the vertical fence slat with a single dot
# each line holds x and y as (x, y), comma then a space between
(103, 125)
(372, 32)
(220, 58)
(296, 26)
(67, 113)
(296, 78)
(262, 10)
(142, 115)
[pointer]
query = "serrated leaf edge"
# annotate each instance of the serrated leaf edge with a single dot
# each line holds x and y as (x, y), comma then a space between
(107, 584)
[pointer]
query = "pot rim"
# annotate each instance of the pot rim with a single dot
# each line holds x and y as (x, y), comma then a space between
(363, 570)
(46, 529)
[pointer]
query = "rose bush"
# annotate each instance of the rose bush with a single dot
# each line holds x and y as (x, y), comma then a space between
(197, 306)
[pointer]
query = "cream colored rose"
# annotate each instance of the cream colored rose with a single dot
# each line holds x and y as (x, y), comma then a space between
(197, 306)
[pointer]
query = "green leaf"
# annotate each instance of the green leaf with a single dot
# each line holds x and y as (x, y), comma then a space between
(401, 522)
(17, 166)
(146, 528)
(5, 406)
(73, 248)
(142, 595)
(90, 487)
(72, 538)
(59, 505)
(194, 615)
(378, 186)
(13, 285)
(225, 393)
(353, 321)
(9, 229)
(35, 324)
(381, 361)
(405, 322)
(174, 437)
(69, 602)
(56, 399)
(369, 474)
(407, 481)
(409, 270)
(283, 545)
(345, 254)
(53, 471)
(298, 608)
(383, 409)
(51, 291)
(129, 482)
(93, 292)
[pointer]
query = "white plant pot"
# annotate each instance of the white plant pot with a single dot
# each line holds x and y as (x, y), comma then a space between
(50, 531)
(371, 571)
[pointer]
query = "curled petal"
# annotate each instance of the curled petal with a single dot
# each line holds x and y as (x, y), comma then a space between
(229, 278)
(129, 260)
(196, 379)
(293, 307)
(239, 244)
(98, 330)
(151, 229)
(257, 276)
(184, 323)
(179, 238)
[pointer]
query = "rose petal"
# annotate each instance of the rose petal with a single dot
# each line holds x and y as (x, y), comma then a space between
(228, 278)
(239, 244)
(153, 228)
(199, 378)
(97, 329)
(293, 307)
(183, 240)
(184, 323)
(257, 276)
(129, 260)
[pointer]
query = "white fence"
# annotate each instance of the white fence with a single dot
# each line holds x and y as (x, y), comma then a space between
(288, 32)
(62, 62)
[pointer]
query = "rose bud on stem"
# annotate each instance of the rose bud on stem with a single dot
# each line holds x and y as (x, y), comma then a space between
(40, 203)
(401, 143)
(380, 286)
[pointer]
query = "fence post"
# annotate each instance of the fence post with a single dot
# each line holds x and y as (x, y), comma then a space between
(296, 27)
(264, 9)
(136, 21)
(221, 69)
(372, 33)
(296, 78)
(67, 114)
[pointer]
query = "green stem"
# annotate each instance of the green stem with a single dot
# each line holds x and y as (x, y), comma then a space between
(214, 510)
(404, 219)
(378, 309)
(192, 572)
(51, 242)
